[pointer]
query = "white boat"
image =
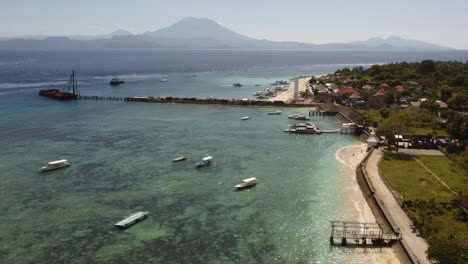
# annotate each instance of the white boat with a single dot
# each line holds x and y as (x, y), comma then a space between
(298, 117)
(275, 113)
(181, 158)
(53, 165)
(245, 118)
(246, 183)
(163, 80)
(206, 161)
(132, 219)
(303, 130)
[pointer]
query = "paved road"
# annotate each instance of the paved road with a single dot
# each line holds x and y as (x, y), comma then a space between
(417, 244)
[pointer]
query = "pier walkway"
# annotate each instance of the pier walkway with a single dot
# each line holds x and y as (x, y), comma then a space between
(360, 233)
(210, 101)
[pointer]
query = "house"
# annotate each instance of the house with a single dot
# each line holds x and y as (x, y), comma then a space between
(367, 87)
(441, 104)
(385, 86)
(350, 93)
(380, 92)
(399, 88)
(373, 141)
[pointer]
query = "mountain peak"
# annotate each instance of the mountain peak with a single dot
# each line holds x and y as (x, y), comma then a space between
(398, 42)
(120, 32)
(196, 28)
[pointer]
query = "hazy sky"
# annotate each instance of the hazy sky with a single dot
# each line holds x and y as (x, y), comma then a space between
(441, 22)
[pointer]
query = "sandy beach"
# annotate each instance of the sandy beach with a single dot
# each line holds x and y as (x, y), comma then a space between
(289, 94)
(351, 157)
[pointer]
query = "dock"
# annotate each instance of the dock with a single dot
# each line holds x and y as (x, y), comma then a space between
(360, 233)
(131, 220)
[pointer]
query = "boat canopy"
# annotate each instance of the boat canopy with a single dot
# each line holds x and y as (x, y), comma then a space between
(250, 179)
(208, 158)
(57, 162)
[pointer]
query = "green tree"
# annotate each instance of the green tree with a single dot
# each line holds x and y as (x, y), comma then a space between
(447, 250)
(457, 128)
(305, 94)
(384, 112)
(430, 105)
(396, 124)
(458, 100)
(427, 66)
(445, 93)
(389, 98)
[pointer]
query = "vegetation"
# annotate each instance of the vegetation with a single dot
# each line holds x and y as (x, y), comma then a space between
(430, 204)
(447, 81)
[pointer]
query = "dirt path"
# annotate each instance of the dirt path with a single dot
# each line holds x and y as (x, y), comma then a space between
(417, 244)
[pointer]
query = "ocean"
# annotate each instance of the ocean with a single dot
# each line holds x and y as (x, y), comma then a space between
(121, 160)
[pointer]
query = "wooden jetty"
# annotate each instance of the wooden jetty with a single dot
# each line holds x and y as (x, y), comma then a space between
(360, 233)
(131, 220)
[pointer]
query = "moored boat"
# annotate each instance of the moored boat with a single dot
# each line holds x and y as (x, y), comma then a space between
(181, 158)
(206, 161)
(163, 80)
(298, 117)
(131, 220)
(303, 130)
(245, 118)
(116, 81)
(275, 113)
(70, 94)
(246, 183)
(54, 165)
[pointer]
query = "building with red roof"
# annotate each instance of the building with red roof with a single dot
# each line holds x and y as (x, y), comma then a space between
(384, 86)
(399, 88)
(351, 93)
(380, 92)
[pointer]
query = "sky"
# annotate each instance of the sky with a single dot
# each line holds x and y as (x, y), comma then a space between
(327, 21)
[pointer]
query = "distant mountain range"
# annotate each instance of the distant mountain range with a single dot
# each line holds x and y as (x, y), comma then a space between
(202, 33)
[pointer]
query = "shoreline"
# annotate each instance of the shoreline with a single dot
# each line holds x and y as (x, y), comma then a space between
(288, 95)
(350, 157)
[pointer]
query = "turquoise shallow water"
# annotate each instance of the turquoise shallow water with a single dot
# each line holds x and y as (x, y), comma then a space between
(121, 162)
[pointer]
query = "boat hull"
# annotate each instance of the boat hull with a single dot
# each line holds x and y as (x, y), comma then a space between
(244, 186)
(179, 159)
(135, 218)
(45, 169)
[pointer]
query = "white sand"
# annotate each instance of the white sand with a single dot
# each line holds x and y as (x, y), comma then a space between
(351, 157)
(289, 94)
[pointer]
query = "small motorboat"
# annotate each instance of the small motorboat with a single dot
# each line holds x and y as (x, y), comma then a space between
(237, 85)
(131, 220)
(245, 118)
(163, 80)
(54, 165)
(275, 113)
(298, 117)
(181, 158)
(206, 161)
(116, 81)
(246, 184)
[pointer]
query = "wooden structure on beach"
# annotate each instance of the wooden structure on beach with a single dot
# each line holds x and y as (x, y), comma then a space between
(360, 233)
